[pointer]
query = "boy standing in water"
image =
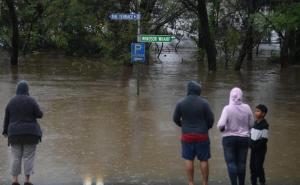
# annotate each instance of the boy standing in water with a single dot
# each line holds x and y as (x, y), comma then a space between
(259, 139)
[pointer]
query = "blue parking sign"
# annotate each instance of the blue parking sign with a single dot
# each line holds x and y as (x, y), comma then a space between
(137, 52)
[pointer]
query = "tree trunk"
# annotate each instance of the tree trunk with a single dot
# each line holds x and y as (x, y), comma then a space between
(177, 44)
(292, 47)
(200, 43)
(297, 55)
(226, 53)
(284, 50)
(251, 43)
(160, 50)
(243, 52)
(251, 11)
(27, 40)
(241, 56)
(14, 53)
(257, 48)
(146, 8)
(247, 47)
(209, 43)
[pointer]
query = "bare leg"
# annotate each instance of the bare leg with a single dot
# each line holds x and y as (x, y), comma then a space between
(15, 179)
(204, 167)
(16, 163)
(27, 178)
(29, 156)
(189, 166)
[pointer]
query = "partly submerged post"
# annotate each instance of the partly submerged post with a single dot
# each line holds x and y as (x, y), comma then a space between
(137, 57)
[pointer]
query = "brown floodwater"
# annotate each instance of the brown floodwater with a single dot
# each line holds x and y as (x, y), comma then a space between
(97, 131)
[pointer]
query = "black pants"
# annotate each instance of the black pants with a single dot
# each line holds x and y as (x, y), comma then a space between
(257, 165)
(235, 152)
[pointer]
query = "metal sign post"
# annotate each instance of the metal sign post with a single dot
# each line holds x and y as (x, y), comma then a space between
(137, 49)
(137, 57)
(138, 66)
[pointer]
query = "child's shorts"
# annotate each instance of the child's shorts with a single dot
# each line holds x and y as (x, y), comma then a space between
(192, 149)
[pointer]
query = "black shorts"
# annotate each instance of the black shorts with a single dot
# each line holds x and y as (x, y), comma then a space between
(192, 149)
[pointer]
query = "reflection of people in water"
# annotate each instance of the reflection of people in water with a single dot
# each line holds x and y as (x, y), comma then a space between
(89, 181)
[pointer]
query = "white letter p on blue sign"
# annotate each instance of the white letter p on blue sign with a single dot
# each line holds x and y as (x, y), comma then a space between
(137, 52)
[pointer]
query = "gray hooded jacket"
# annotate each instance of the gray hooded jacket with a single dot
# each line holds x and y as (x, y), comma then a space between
(193, 113)
(21, 114)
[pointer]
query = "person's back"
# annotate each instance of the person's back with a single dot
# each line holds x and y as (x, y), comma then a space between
(21, 114)
(237, 117)
(193, 113)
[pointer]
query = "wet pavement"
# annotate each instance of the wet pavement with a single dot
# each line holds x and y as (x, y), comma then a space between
(97, 131)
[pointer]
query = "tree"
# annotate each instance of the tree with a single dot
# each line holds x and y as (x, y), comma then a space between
(248, 41)
(286, 21)
(14, 50)
(284, 18)
(81, 27)
(205, 38)
(228, 42)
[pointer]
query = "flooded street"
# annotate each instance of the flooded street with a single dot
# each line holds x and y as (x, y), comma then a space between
(97, 131)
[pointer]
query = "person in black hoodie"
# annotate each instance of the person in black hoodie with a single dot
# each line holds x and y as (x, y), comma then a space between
(258, 144)
(23, 131)
(193, 114)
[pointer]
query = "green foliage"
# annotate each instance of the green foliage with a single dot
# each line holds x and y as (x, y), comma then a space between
(286, 17)
(77, 27)
(229, 42)
(214, 14)
(82, 27)
(232, 37)
(4, 36)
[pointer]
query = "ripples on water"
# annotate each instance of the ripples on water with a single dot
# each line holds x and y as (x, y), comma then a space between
(98, 132)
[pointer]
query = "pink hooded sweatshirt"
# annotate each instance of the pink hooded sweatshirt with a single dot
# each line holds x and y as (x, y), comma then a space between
(237, 117)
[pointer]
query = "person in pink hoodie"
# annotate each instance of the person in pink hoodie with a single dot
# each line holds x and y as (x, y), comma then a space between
(235, 123)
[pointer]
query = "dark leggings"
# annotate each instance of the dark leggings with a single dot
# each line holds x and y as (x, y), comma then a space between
(257, 165)
(235, 153)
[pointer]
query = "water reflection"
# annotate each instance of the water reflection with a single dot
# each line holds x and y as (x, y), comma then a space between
(89, 181)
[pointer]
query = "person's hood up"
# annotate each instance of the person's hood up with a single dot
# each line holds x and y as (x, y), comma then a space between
(22, 88)
(194, 88)
(236, 96)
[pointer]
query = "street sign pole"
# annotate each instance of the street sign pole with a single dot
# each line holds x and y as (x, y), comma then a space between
(137, 57)
(137, 49)
(138, 66)
(138, 79)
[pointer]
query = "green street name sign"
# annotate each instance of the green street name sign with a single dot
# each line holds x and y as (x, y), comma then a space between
(155, 38)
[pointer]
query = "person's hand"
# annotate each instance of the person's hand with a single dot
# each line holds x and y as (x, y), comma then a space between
(4, 134)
